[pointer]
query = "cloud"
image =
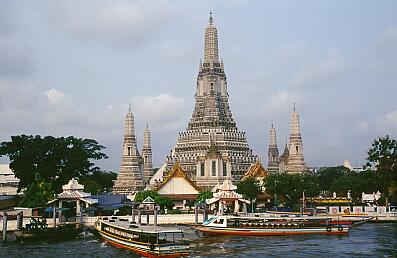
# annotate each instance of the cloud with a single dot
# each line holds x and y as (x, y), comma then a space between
(15, 52)
(319, 70)
(389, 39)
(381, 125)
(164, 110)
(115, 23)
(57, 97)
(388, 122)
(25, 109)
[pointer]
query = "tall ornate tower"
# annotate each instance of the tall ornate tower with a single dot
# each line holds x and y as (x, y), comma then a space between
(296, 163)
(147, 156)
(283, 160)
(273, 152)
(212, 148)
(130, 177)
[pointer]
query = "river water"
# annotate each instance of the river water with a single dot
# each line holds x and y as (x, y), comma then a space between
(368, 240)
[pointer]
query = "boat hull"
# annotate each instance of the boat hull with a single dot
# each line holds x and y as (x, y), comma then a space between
(144, 249)
(275, 231)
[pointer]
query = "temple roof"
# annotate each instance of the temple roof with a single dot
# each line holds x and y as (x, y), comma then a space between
(148, 200)
(177, 171)
(73, 195)
(256, 170)
(72, 185)
(226, 195)
(226, 186)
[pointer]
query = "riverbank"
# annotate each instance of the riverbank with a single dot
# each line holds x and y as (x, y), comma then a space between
(187, 219)
(164, 219)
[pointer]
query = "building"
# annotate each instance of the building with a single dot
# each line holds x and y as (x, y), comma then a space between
(147, 156)
(292, 160)
(296, 162)
(8, 182)
(273, 165)
(130, 177)
(211, 149)
(178, 187)
(257, 172)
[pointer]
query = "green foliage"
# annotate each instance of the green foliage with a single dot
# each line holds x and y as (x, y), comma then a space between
(162, 201)
(176, 211)
(328, 175)
(56, 160)
(382, 156)
(38, 193)
(249, 188)
(99, 182)
(366, 181)
(204, 195)
(289, 187)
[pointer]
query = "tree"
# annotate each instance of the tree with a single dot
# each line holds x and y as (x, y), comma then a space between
(249, 188)
(56, 160)
(289, 187)
(204, 195)
(38, 193)
(328, 175)
(382, 156)
(99, 182)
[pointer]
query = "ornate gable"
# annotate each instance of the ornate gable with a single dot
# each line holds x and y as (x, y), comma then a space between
(177, 172)
(256, 171)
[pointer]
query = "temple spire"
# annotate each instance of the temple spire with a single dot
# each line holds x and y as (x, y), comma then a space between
(129, 179)
(294, 125)
(147, 155)
(273, 154)
(296, 163)
(211, 43)
(129, 125)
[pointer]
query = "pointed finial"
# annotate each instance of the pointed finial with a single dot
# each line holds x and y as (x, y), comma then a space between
(211, 19)
(147, 125)
(129, 108)
(272, 124)
(294, 106)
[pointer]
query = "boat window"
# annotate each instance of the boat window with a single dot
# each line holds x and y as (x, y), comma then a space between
(209, 220)
(171, 237)
(219, 221)
(232, 222)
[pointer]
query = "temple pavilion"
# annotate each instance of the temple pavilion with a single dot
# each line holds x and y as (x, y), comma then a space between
(227, 200)
(73, 194)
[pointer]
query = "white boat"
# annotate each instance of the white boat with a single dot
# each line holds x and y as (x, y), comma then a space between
(271, 226)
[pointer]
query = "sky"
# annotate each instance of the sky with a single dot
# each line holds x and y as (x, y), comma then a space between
(72, 68)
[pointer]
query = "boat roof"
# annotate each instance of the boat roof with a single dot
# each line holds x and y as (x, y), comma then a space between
(148, 229)
(275, 217)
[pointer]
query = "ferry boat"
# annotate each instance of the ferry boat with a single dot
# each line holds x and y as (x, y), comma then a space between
(149, 241)
(271, 226)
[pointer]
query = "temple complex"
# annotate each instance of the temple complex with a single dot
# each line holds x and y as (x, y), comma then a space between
(130, 177)
(292, 160)
(211, 149)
